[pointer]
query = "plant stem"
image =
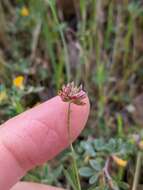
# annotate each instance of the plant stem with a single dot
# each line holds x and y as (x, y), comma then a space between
(68, 124)
(72, 149)
(107, 175)
(120, 173)
(53, 9)
(137, 172)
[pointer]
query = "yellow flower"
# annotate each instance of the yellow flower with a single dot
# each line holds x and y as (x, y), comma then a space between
(141, 144)
(119, 161)
(24, 11)
(18, 82)
(3, 96)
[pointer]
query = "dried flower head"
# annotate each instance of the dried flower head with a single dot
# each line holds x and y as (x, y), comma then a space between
(72, 93)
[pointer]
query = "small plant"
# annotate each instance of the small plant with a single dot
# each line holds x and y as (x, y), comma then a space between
(72, 95)
(101, 160)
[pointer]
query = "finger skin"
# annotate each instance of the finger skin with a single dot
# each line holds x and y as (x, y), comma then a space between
(36, 136)
(33, 186)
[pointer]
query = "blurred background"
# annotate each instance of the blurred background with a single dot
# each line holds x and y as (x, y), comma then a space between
(99, 43)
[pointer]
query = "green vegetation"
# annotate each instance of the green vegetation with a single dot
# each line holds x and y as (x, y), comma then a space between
(99, 44)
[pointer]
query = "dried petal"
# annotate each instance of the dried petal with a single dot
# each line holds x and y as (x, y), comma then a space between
(72, 93)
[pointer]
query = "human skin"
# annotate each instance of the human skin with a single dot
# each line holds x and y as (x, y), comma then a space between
(35, 137)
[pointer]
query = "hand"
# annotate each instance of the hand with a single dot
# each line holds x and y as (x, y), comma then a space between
(34, 137)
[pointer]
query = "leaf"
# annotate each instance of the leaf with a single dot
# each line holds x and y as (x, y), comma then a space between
(112, 145)
(93, 179)
(87, 146)
(96, 164)
(123, 185)
(99, 144)
(31, 177)
(86, 171)
(57, 172)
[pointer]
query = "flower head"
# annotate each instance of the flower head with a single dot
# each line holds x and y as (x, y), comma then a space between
(24, 11)
(120, 162)
(72, 93)
(18, 82)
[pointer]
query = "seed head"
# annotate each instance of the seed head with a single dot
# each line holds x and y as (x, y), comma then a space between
(72, 93)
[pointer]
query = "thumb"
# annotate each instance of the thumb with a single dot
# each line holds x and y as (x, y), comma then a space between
(35, 136)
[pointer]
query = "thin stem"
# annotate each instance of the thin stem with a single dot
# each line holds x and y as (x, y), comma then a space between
(137, 172)
(120, 173)
(75, 168)
(72, 149)
(107, 175)
(68, 124)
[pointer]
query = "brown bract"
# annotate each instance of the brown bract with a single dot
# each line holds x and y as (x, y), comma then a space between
(72, 93)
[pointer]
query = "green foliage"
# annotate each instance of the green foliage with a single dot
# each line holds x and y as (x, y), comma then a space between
(45, 174)
(98, 151)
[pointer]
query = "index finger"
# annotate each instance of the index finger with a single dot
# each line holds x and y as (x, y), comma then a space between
(37, 135)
